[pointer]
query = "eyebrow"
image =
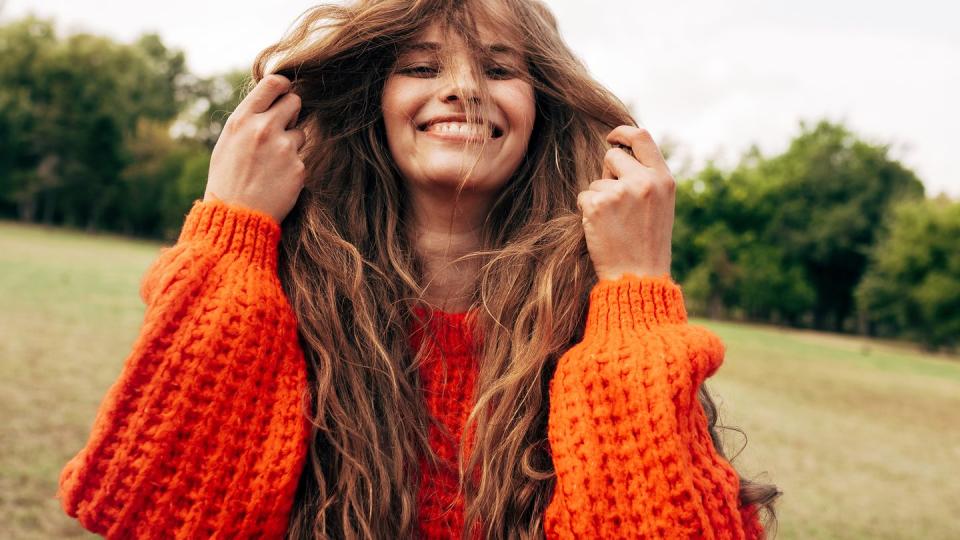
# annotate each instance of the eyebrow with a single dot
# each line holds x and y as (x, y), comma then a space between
(432, 46)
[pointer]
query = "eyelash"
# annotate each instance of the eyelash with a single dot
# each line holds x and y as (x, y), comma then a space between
(424, 71)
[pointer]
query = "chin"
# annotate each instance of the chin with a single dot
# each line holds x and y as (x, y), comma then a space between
(451, 168)
(453, 176)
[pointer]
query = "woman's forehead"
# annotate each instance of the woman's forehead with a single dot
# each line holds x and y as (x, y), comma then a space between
(437, 39)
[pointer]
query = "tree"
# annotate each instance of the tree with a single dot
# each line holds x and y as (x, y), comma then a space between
(25, 171)
(70, 106)
(212, 100)
(785, 238)
(912, 286)
(151, 184)
(720, 255)
(830, 191)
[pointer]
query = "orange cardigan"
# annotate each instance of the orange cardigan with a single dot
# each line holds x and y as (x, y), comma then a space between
(202, 433)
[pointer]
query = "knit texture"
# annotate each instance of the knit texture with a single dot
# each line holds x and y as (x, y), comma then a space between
(629, 438)
(203, 434)
(447, 376)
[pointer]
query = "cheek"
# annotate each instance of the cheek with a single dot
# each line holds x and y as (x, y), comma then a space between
(398, 107)
(520, 107)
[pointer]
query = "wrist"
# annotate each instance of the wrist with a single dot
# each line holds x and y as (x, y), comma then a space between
(642, 272)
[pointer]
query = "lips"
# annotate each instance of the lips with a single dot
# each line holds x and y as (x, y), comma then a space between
(458, 126)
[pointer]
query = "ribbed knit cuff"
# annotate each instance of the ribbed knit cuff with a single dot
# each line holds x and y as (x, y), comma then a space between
(247, 233)
(634, 304)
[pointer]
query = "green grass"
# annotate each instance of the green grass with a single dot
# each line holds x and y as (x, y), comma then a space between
(70, 313)
(861, 436)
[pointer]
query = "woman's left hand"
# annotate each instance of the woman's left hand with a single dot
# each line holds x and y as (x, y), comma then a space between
(628, 214)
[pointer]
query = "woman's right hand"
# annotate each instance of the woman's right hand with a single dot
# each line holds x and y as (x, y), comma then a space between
(255, 162)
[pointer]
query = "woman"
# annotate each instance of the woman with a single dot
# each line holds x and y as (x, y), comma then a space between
(465, 326)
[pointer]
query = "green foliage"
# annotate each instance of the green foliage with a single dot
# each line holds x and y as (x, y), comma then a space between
(86, 127)
(214, 99)
(769, 288)
(913, 284)
(151, 183)
(785, 238)
(731, 269)
(70, 107)
(832, 191)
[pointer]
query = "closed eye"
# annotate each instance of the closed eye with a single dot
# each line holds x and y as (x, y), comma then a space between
(422, 71)
(499, 72)
(427, 71)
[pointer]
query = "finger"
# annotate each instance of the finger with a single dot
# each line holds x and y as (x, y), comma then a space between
(284, 111)
(584, 201)
(298, 136)
(642, 144)
(603, 184)
(606, 172)
(264, 94)
(618, 163)
(294, 119)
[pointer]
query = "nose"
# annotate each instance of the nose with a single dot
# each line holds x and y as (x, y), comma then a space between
(461, 85)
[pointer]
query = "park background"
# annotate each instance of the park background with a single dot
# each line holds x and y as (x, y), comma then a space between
(817, 226)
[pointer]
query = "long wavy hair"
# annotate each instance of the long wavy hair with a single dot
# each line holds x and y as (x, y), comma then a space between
(354, 280)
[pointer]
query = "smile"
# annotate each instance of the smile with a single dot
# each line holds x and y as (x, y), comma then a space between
(459, 130)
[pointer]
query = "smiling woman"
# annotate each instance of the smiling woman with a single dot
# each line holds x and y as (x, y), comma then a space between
(422, 297)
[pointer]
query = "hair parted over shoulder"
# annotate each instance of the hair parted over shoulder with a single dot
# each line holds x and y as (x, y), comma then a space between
(353, 279)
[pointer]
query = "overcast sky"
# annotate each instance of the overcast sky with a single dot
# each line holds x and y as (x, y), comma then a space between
(712, 76)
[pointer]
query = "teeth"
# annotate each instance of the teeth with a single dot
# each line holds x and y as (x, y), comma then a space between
(459, 128)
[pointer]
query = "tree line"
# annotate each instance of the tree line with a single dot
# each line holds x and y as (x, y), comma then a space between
(101, 135)
(832, 233)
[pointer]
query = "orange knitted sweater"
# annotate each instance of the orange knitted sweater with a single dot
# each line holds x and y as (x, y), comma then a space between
(202, 434)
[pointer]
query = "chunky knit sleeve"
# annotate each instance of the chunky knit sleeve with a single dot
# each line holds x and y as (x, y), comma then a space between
(629, 438)
(203, 433)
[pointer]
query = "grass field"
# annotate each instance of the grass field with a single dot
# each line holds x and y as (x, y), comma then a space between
(862, 437)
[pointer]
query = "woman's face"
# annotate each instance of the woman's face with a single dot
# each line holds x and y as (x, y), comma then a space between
(423, 109)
